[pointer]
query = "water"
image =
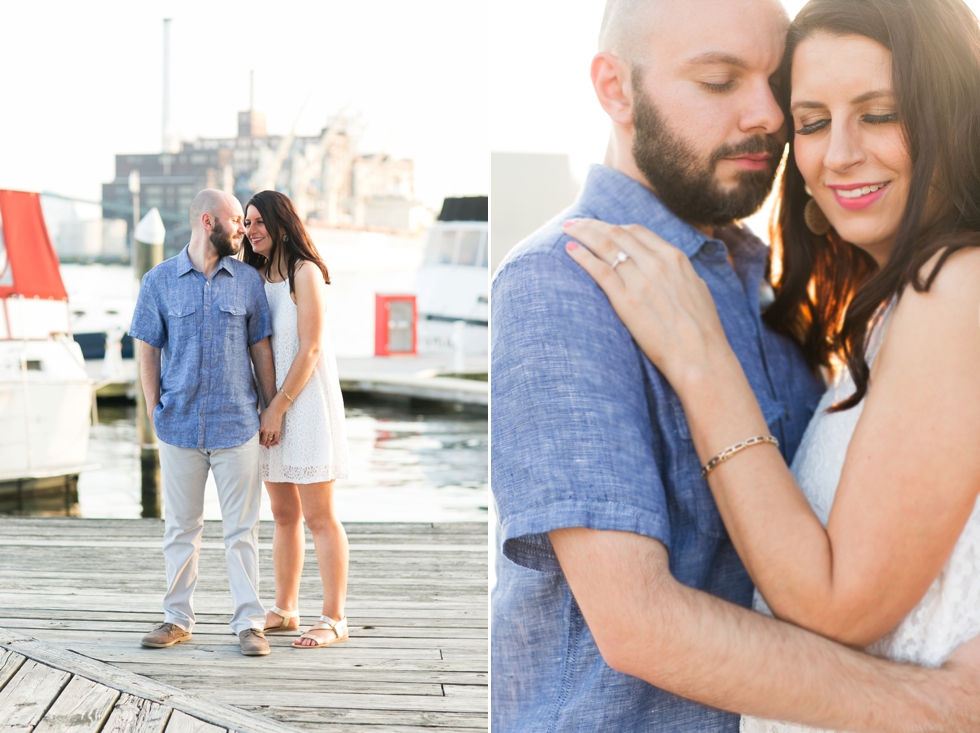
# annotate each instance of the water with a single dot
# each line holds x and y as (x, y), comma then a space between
(409, 463)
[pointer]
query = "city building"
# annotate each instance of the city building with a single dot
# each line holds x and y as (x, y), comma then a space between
(329, 181)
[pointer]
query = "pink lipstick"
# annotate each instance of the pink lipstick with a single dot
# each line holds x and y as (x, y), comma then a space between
(856, 196)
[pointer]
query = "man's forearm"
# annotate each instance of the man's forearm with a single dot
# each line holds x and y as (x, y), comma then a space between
(150, 375)
(265, 369)
(705, 649)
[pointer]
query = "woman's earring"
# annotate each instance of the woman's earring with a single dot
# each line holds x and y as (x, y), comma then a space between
(285, 237)
(816, 221)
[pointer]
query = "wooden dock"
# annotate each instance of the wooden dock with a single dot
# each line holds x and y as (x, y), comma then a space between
(76, 595)
(416, 377)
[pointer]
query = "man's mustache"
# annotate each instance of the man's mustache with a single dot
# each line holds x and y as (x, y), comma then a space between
(757, 144)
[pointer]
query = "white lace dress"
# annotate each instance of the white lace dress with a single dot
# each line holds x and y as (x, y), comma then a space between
(313, 443)
(949, 613)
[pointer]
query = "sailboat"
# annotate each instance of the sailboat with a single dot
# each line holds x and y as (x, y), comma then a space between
(46, 398)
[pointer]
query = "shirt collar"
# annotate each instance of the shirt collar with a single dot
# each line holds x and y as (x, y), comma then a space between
(184, 264)
(616, 198)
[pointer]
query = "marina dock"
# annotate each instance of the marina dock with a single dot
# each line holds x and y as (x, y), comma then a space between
(425, 378)
(76, 596)
(415, 377)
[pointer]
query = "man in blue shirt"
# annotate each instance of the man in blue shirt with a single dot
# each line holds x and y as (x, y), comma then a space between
(620, 601)
(204, 321)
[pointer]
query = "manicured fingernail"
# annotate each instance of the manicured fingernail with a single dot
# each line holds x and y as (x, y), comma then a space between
(569, 222)
(571, 246)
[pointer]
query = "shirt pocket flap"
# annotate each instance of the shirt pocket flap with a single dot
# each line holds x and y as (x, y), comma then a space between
(179, 311)
(233, 310)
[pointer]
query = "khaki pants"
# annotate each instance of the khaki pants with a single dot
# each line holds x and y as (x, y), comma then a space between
(184, 472)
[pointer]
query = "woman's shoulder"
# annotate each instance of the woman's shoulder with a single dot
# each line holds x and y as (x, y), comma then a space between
(960, 271)
(948, 312)
(308, 281)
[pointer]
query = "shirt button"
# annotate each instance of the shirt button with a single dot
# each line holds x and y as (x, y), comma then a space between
(201, 414)
(207, 335)
(206, 308)
(205, 362)
(710, 248)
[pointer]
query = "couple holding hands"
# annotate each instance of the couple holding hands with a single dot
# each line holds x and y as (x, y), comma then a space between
(249, 290)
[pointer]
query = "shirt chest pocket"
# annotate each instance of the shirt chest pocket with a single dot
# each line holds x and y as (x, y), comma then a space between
(181, 324)
(693, 494)
(231, 321)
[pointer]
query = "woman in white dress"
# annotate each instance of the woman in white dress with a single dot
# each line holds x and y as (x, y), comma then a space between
(872, 538)
(307, 414)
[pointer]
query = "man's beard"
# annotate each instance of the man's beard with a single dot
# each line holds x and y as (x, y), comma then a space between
(686, 184)
(223, 242)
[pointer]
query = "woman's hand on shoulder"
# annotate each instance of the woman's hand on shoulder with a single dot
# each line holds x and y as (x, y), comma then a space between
(656, 293)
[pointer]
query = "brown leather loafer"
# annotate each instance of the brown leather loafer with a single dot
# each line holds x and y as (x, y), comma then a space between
(254, 643)
(165, 635)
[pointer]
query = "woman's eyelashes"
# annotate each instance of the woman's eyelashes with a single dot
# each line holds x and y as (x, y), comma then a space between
(809, 128)
(880, 119)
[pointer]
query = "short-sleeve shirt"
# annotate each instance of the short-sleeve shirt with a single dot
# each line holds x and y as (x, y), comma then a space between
(587, 433)
(204, 328)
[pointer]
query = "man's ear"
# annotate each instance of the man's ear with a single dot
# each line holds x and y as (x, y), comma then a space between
(611, 81)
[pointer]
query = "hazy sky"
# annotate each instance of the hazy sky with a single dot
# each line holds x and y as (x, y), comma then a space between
(83, 81)
(541, 98)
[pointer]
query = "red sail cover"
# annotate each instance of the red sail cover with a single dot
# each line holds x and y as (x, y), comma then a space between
(28, 263)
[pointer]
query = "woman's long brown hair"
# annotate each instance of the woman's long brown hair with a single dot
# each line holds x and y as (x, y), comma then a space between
(828, 290)
(285, 230)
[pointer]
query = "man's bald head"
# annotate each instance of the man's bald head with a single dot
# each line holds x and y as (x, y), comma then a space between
(209, 201)
(629, 27)
(626, 24)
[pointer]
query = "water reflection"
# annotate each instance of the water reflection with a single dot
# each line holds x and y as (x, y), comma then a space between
(410, 462)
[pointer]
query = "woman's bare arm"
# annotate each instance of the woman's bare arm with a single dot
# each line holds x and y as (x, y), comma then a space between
(912, 471)
(310, 292)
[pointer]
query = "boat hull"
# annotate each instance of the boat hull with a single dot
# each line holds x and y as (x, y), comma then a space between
(45, 409)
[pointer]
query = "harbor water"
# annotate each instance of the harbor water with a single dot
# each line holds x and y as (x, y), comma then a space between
(410, 462)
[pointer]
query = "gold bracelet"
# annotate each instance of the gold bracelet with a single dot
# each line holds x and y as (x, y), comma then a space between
(733, 449)
(285, 393)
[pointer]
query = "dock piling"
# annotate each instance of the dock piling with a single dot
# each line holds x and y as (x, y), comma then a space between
(148, 238)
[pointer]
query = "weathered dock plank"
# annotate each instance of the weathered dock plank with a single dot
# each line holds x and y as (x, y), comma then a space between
(27, 696)
(82, 707)
(417, 605)
(10, 662)
(183, 723)
(341, 719)
(133, 714)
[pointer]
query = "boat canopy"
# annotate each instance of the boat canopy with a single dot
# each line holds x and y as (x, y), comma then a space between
(28, 263)
(33, 299)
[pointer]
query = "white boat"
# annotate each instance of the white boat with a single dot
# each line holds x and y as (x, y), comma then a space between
(45, 393)
(453, 282)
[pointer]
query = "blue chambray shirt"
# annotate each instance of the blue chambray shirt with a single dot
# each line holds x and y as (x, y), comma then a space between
(204, 328)
(587, 433)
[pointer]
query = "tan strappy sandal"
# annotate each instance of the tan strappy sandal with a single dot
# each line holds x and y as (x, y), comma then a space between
(339, 628)
(284, 626)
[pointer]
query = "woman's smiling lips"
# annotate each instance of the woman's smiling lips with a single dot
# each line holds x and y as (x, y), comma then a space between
(856, 196)
(752, 161)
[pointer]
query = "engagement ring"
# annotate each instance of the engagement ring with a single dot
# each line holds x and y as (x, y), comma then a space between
(620, 259)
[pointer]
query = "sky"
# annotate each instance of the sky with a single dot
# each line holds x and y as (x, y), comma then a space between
(541, 97)
(83, 82)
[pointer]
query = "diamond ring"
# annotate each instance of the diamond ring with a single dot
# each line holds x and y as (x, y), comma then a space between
(620, 259)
